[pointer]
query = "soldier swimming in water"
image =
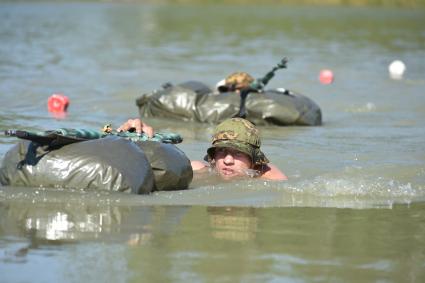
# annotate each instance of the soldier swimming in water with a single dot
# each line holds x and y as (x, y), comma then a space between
(235, 150)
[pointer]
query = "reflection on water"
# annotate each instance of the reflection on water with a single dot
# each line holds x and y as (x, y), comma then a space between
(233, 223)
(207, 243)
(60, 225)
(73, 221)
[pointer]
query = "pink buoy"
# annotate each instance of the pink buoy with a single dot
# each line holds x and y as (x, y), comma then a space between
(326, 76)
(57, 103)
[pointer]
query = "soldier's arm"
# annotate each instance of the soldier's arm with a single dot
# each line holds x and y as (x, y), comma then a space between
(198, 165)
(271, 172)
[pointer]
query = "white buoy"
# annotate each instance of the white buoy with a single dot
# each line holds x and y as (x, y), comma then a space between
(397, 69)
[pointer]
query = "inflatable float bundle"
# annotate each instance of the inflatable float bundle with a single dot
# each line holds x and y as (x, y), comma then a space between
(92, 160)
(243, 97)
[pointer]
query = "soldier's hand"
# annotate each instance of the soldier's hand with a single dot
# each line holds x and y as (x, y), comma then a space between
(138, 126)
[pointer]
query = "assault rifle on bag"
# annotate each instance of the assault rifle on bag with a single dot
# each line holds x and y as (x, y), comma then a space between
(258, 86)
(64, 136)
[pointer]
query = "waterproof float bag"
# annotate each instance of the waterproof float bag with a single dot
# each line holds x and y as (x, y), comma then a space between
(171, 167)
(80, 159)
(194, 101)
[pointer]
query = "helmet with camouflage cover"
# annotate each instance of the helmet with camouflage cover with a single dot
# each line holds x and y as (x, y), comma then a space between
(241, 135)
(235, 81)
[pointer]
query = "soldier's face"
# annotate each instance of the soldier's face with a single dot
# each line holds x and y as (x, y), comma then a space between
(231, 163)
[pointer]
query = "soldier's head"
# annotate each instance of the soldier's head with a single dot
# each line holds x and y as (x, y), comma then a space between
(236, 146)
(235, 81)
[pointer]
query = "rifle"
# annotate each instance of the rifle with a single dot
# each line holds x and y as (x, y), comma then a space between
(258, 86)
(64, 136)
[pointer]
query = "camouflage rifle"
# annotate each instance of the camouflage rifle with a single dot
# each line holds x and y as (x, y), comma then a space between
(64, 136)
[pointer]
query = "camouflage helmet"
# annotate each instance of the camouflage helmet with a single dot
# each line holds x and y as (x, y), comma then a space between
(235, 81)
(241, 135)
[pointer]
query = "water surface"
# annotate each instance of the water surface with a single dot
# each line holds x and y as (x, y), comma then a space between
(352, 209)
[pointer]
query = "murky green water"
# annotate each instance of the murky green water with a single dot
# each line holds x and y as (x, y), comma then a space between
(353, 209)
(95, 238)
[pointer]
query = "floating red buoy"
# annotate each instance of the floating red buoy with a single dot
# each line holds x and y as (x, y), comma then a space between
(326, 76)
(57, 103)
